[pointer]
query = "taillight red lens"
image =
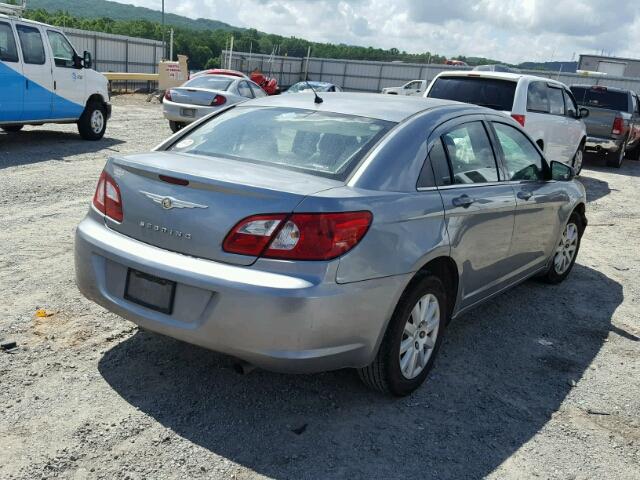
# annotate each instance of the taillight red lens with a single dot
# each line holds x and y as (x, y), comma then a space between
(218, 100)
(518, 118)
(618, 126)
(301, 236)
(167, 95)
(107, 198)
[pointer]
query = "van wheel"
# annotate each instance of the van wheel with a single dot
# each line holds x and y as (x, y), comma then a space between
(175, 126)
(93, 122)
(12, 128)
(566, 251)
(412, 340)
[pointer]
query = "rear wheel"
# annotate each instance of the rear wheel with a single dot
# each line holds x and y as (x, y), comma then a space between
(176, 126)
(93, 122)
(616, 162)
(578, 159)
(566, 251)
(12, 128)
(412, 339)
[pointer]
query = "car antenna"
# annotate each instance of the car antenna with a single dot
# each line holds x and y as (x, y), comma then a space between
(318, 98)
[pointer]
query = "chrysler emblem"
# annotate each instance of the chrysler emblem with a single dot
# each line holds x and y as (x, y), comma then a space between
(169, 202)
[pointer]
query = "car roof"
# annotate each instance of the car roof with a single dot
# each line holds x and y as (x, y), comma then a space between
(313, 82)
(25, 20)
(514, 77)
(372, 105)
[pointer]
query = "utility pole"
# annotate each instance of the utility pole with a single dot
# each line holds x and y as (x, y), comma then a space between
(164, 45)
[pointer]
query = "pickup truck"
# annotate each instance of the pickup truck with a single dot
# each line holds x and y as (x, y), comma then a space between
(413, 88)
(613, 124)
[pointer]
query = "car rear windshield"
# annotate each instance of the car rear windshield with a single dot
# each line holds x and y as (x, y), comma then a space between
(320, 143)
(210, 82)
(487, 92)
(600, 97)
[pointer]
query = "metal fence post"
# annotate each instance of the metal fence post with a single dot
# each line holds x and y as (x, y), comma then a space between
(380, 78)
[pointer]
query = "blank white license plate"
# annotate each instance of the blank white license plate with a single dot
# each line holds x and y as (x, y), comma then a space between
(149, 291)
(188, 112)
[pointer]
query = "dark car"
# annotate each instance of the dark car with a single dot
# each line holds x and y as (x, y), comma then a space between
(613, 124)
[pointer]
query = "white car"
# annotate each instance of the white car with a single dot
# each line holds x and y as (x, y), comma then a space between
(414, 87)
(545, 108)
(44, 80)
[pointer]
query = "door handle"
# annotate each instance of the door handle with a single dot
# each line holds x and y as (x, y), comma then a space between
(463, 201)
(524, 195)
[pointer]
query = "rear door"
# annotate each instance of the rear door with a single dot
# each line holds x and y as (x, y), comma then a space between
(538, 201)
(557, 130)
(479, 209)
(68, 81)
(11, 80)
(36, 68)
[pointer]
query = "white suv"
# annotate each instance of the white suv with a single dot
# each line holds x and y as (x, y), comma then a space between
(545, 108)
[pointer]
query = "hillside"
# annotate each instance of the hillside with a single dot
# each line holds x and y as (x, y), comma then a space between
(120, 11)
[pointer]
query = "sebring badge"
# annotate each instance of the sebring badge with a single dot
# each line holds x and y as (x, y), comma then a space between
(169, 202)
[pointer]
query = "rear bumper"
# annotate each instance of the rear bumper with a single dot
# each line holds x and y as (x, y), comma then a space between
(279, 322)
(603, 145)
(174, 111)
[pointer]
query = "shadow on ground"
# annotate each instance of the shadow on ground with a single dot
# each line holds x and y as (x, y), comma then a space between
(40, 145)
(503, 370)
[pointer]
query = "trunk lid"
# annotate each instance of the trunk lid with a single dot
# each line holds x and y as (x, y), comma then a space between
(195, 96)
(194, 219)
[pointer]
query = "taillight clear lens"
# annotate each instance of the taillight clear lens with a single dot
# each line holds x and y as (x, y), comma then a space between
(107, 198)
(252, 235)
(218, 100)
(302, 236)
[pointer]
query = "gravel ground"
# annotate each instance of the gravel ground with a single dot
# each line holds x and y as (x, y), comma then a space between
(541, 382)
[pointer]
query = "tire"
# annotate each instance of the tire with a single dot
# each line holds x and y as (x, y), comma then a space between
(385, 372)
(578, 159)
(12, 128)
(175, 126)
(619, 157)
(93, 122)
(559, 271)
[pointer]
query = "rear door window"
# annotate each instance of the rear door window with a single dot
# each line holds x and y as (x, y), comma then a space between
(487, 92)
(538, 97)
(32, 45)
(556, 101)
(601, 97)
(245, 90)
(470, 154)
(8, 50)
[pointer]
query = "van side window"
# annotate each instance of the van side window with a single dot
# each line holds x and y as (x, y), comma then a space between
(63, 52)
(537, 97)
(32, 46)
(556, 101)
(8, 50)
(470, 154)
(570, 104)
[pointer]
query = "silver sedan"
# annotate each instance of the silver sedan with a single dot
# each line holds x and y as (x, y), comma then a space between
(204, 94)
(302, 236)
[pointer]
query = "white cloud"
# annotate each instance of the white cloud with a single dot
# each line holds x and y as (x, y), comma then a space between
(509, 30)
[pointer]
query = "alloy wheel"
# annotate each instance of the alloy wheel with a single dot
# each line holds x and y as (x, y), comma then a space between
(419, 336)
(577, 161)
(567, 248)
(97, 121)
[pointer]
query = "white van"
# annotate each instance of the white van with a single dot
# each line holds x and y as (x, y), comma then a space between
(545, 108)
(44, 80)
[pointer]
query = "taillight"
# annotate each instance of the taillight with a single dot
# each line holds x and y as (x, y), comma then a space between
(218, 100)
(518, 118)
(618, 126)
(301, 236)
(107, 198)
(167, 95)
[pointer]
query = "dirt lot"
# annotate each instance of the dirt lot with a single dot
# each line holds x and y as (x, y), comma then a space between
(542, 382)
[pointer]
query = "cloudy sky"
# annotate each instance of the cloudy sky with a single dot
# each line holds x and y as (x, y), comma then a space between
(510, 30)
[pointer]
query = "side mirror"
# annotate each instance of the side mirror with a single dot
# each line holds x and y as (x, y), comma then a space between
(87, 60)
(583, 112)
(562, 172)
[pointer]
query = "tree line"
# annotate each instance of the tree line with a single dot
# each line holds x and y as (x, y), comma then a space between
(204, 47)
